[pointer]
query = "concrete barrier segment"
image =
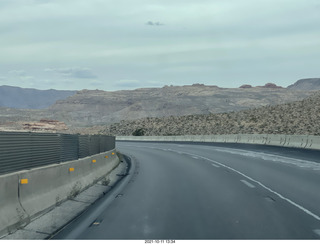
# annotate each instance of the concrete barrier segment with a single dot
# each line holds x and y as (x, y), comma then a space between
(245, 139)
(12, 214)
(167, 138)
(188, 138)
(219, 138)
(275, 140)
(206, 138)
(264, 139)
(49, 186)
(313, 142)
(213, 138)
(27, 194)
(298, 141)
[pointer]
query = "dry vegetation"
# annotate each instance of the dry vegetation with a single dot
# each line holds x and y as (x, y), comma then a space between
(301, 117)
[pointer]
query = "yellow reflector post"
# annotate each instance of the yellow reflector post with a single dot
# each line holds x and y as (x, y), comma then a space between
(106, 156)
(71, 169)
(94, 161)
(24, 181)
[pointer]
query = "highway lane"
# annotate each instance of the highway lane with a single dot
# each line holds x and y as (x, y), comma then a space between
(188, 191)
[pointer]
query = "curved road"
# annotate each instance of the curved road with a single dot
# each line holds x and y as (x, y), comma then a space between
(193, 191)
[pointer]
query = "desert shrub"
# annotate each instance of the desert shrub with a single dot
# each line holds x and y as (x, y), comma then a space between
(138, 132)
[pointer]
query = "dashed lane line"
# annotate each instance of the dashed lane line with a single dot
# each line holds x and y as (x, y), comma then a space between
(260, 184)
(263, 186)
(247, 183)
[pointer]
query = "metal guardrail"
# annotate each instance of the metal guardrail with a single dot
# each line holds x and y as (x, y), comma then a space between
(26, 150)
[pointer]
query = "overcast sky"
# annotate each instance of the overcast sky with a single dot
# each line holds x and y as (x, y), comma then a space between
(127, 44)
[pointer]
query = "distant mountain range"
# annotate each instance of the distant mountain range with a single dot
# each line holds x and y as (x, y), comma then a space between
(310, 84)
(29, 98)
(87, 108)
(95, 107)
(16, 97)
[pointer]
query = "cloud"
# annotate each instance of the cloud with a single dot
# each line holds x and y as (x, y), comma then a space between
(154, 23)
(173, 41)
(21, 74)
(17, 72)
(79, 73)
(27, 77)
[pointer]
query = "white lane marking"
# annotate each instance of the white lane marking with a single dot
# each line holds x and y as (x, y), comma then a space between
(263, 186)
(247, 183)
(214, 165)
(257, 182)
(317, 232)
(195, 157)
(272, 157)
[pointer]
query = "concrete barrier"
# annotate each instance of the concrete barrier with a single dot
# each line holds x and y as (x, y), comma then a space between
(275, 140)
(11, 209)
(214, 138)
(48, 186)
(207, 138)
(29, 193)
(259, 138)
(218, 138)
(296, 141)
(313, 142)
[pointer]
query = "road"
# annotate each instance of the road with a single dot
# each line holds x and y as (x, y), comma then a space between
(191, 191)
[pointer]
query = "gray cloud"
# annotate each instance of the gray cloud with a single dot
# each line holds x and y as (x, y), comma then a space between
(152, 23)
(79, 73)
(17, 72)
(215, 42)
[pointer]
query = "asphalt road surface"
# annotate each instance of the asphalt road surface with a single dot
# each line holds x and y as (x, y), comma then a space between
(191, 191)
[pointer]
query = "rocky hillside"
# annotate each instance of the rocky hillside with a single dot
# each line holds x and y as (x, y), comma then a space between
(88, 108)
(16, 97)
(306, 84)
(98, 108)
(300, 117)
